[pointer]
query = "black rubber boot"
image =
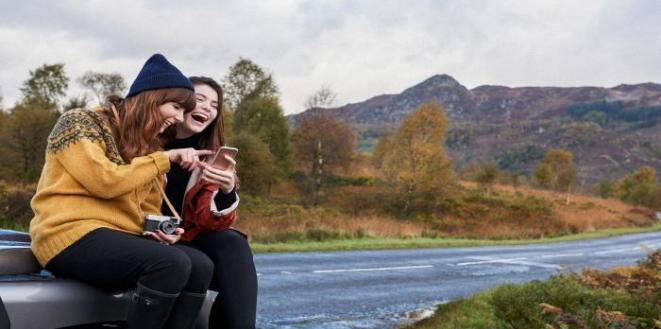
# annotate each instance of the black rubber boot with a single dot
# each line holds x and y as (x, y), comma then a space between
(149, 309)
(185, 311)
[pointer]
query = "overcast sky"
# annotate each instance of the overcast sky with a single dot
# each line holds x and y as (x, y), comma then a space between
(359, 49)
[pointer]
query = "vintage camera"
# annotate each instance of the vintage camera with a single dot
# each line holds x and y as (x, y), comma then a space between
(166, 224)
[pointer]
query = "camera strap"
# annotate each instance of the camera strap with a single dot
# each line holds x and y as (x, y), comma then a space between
(167, 201)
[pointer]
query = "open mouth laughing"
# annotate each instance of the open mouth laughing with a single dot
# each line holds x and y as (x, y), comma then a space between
(199, 117)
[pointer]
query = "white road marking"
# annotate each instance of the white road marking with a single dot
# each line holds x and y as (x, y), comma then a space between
(374, 269)
(544, 265)
(564, 255)
(605, 252)
(285, 272)
(491, 261)
(511, 261)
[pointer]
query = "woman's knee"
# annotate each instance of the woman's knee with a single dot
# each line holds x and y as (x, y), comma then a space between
(200, 263)
(231, 239)
(169, 272)
(201, 272)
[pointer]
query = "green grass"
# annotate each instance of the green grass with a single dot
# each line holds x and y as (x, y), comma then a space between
(13, 225)
(475, 312)
(392, 243)
(518, 306)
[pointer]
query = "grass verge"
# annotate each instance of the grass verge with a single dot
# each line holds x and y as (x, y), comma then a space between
(392, 243)
(475, 312)
(625, 298)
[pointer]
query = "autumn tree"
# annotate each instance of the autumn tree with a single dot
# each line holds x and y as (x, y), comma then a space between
(557, 171)
(638, 188)
(417, 167)
(48, 83)
(322, 143)
(380, 150)
(103, 85)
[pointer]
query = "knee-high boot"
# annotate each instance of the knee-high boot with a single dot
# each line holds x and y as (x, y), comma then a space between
(185, 310)
(149, 309)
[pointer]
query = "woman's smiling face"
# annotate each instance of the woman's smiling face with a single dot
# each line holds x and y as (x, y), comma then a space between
(172, 113)
(204, 113)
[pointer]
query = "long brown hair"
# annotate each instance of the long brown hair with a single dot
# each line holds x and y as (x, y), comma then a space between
(212, 137)
(137, 120)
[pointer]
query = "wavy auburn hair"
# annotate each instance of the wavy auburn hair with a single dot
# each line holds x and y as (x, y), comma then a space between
(136, 121)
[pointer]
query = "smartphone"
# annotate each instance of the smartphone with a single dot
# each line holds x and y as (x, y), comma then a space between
(219, 161)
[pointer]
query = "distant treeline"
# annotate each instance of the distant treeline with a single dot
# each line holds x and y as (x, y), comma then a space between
(605, 112)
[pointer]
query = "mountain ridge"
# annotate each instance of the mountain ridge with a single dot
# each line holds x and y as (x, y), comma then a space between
(514, 126)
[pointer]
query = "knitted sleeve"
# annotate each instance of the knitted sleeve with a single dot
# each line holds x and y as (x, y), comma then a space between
(87, 151)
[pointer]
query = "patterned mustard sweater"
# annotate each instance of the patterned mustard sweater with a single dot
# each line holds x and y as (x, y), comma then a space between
(85, 185)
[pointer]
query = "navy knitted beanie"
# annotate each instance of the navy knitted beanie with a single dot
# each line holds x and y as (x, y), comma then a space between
(158, 73)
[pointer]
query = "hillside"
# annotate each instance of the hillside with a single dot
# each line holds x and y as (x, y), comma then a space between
(352, 212)
(611, 131)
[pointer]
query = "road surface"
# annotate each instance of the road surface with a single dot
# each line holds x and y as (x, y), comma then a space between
(381, 289)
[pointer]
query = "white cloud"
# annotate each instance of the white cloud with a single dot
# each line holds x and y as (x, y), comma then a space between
(358, 48)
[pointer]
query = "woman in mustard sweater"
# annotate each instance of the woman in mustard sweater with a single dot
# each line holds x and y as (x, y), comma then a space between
(103, 172)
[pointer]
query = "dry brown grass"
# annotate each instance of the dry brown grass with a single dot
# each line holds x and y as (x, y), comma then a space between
(644, 278)
(584, 213)
(362, 211)
(334, 226)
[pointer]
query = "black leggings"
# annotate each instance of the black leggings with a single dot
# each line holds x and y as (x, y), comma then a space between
(234, 278)
(118, 260)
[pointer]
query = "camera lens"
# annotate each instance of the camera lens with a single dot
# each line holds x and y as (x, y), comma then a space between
(168, 227)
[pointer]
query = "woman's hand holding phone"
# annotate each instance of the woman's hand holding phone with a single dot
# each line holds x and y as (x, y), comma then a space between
(225, 179)
(221, 169)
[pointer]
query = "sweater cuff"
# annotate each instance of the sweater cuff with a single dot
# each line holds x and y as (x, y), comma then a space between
(162, 162)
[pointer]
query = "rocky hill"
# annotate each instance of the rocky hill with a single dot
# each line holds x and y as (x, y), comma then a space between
(611, 131)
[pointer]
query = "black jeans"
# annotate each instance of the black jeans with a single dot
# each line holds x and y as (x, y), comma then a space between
(234, 278)
(118, 260)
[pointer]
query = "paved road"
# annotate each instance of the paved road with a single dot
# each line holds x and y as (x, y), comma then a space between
(377, 289)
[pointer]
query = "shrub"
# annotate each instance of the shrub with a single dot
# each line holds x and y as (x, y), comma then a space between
(569, 304)
(15, 210)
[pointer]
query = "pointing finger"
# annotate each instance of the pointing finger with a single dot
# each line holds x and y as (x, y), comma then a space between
(204, 152)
